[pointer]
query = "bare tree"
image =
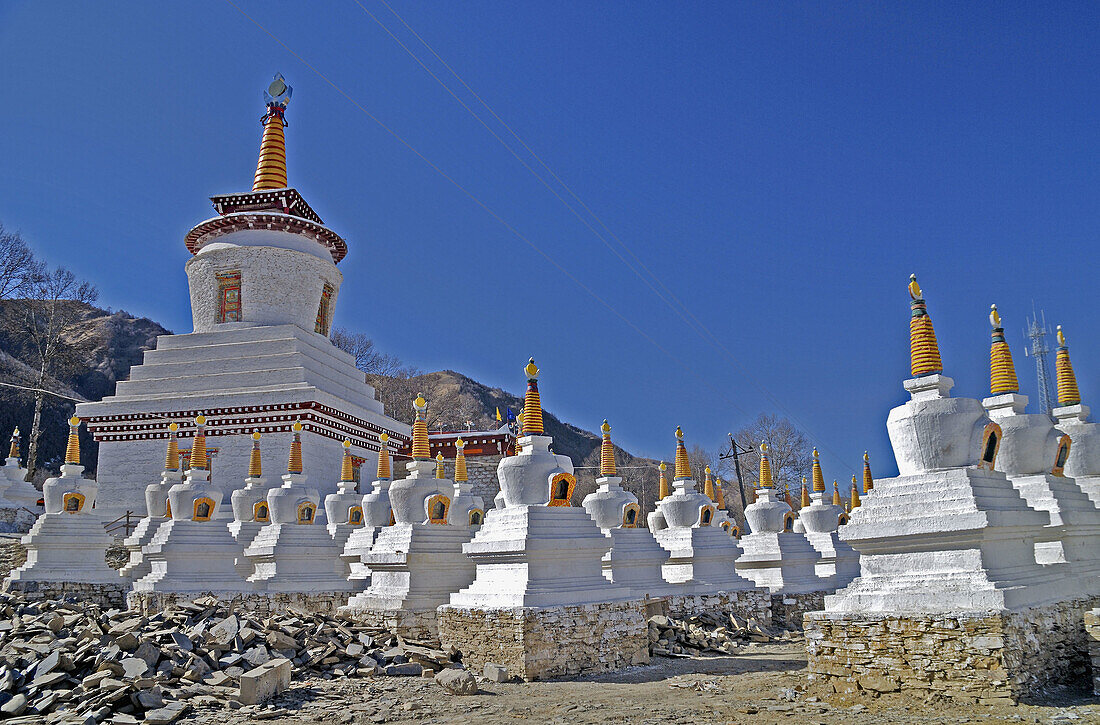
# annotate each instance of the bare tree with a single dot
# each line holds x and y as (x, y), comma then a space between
(789, 453)
(18, 268)
(368, 357)
(53, 309)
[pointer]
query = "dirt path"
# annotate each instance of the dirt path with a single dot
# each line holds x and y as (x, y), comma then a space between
(763, 685)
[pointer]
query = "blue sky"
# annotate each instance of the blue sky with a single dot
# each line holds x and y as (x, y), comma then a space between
(782, 167)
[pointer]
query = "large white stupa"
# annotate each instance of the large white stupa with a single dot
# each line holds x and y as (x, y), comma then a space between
(264, 283)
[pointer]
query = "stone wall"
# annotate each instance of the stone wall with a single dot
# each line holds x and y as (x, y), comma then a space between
(538, 643)
(16, 520)
(108, 596)
(746, 604)
(788, 609)
(418, 625)
(1092, 632)
(12, 555)
(262, 603)
(971, 657)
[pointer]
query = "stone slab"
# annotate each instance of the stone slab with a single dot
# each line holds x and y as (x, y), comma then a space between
(264, 682)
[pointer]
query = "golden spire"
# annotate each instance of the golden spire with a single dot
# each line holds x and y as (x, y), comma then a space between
(172, 457)
(607, 451)
(198, 460)
(662, 484)
(460, 461)
(924, 352)
(1002, 373)
(1067, 381)
(819, 480)
(721, 500)
(532, 406)
(255, 465)
(836, 495)
(439, 466)
(683, 465)
(868, 481)
(347, 467)
(765, 467)
(294, 462)
(855, 492)
(72, 450)
(271, 167)
(708, 485)
(805, 495)
(420, 449)
(13, 452)
(383, 457)
(788, 499)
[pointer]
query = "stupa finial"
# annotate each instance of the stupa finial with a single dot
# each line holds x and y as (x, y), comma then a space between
(347, 465)
(607, 451)
(662, 482)
(460, 461)
(720, 501)
(765, 467)
(294, 461)
(836, 495)
(13, 450)
(1068, 394)
(683, 465)
(440, 466)
(805, 495)
(818, 479)
(708, 484)
(532, 405)
(172, 456)
(271, 167)
(924, 352)
(72, 450)
(421, 451)
(855, 492)
(868, 480)
(1002, 372)
(199, 460)
(255, 463)
(383, 473)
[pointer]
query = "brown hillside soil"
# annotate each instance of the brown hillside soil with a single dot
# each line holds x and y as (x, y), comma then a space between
(763, 685)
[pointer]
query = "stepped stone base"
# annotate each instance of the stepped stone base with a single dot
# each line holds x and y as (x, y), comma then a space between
(259, 602)
(789, 609)
(105, 595)
(539, 643)
(1092, 630)
(983, 657)
(746, 604)
(421, 625)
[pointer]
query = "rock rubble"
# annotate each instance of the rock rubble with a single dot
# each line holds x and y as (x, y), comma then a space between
(713, 632)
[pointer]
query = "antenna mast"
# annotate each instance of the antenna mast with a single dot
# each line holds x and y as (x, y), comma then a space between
(1037, 332)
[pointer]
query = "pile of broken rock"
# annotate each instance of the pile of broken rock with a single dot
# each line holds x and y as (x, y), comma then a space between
(713, 632)
(70, 662)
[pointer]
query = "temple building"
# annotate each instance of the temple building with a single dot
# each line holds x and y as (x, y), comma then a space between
(264, 282)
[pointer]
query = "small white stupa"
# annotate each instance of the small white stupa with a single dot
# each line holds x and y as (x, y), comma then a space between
(775, 555)
(702, 555)
(540, 592)
(18, 497)
(192, 554)
(156, 509)
(376, 514)
(417, 562)
(636, 559)
(820, 517)
(344, 509)
(250, 510)
(1033, 454)
(66, 547)
(947, 555)
(1083, 463)
(293, 554)
(466, 509)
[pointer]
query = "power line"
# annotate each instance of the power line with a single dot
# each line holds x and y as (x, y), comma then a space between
(679, 307)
